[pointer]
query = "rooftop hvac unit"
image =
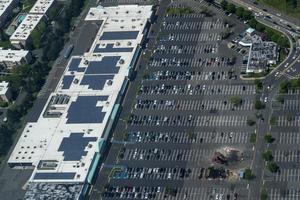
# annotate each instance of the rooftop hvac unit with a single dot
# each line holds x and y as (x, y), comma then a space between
(109, 82)
(121, 61)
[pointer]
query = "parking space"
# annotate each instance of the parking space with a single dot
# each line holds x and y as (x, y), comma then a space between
(185, 137)
(203, 89)
(291, 104)
(211, 105)
(168, 193)
(285, 148)
(286, 194)
(188, 120)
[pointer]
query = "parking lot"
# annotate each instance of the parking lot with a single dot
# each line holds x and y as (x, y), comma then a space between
(285, 183)
(183, 118)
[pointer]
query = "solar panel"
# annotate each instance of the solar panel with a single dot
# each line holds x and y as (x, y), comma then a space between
(109, 48)
(59, 175)
(84, 110)
(108, 65)
(119, 35)
(74, 65)
(74, 145)
(96, 82)
(67, 81)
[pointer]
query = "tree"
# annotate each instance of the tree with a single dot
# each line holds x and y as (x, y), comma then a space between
(273, 121)
(259, 27)
(280, 99)
(231, 8)
(258, 84)
(259, 105)
(247, 15)
(267, 156)
(225, 34)
(264, 195)
(252, 23)
(235, 100)
(223, 4)
(250, 122)
(283, 41)
(239, 12)
(253, 138)
(273, 167)
(268, 138)
(248, 174)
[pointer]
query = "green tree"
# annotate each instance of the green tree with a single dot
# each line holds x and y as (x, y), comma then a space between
(239, 12)
(258, 84)
(247, 15)
(231, 8)
(235, 100)
(264, 195)
(252, 23)
(259, 27)
(253, 138)
(273, 167)
(248, 174)
(273, 121)
(250, 122)
(259, 105)
(267, 156)
(223, 4)
(268, 138)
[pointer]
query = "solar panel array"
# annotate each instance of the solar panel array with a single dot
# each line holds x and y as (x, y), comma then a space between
(74, 145)
(84, 110)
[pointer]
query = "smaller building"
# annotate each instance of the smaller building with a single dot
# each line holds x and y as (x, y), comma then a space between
(262, 54)
(21, 36)
(6, 7)
(10, 58)
(250, 31)
(41, 6)
(5, 94)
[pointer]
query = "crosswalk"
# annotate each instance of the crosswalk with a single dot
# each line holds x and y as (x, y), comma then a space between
(287, 155)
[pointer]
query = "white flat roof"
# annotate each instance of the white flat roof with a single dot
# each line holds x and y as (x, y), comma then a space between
(41, 6)
(9, 55)
(3, 87)
(74, 119)
(26, 27)
(4, 4)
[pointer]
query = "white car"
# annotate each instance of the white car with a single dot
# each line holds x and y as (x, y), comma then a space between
(266, 99)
